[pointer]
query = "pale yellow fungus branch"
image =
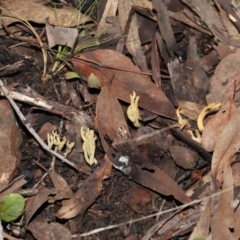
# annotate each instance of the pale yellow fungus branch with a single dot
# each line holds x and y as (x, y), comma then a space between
(185, 124)
(210, 108)
(54, 139)
(133, 111)
(88, 145)
(60, 144)
(197, 137)
(69, 146)
(50, 140)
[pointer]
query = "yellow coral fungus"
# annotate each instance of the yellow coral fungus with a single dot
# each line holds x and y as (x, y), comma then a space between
(210, 108)
(133, 111)
(185, 124)
(88, 145)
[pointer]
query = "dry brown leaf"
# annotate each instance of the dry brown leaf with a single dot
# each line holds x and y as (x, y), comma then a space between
(42, 230)
(61, 36)
(88, 193)
(114, 68)
(139, 200)
(224, 76)
(111, 121)
(202, 228)
(10, 141)
(60, 184)
(226, 147)
(236, 233)
(215, 125)
(142, 171)
(154, 178)
(111, 126)
(33, 203)
(35, 11)
(223, 219)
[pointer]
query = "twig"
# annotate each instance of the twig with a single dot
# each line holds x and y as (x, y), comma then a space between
(31, 130)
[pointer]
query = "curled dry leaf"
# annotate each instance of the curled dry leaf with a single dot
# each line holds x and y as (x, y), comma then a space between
(227, 145)
(114, 69)
(224, 77)
(224, 215)
(216, 124)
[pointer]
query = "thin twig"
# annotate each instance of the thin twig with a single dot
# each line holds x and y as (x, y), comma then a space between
(31, 130)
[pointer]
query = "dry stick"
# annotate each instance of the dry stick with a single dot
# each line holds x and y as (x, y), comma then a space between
(31, 130)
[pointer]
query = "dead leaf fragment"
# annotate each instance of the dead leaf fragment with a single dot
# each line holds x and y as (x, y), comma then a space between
(88, 192)
(111, 121)
(144, 172)
(43, 230)
(236, 233)
(224, 76)
(61, 36)
(35, 11)
(227, 145)
(34, 203)
(216, 124)
(202, 228)
(60, 183)
(138, 199)
(10, 141)
(224, 215)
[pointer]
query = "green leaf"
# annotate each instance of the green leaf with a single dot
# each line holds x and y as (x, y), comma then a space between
(11, 207)
(198, 239)
(93, 81)
(71, 75)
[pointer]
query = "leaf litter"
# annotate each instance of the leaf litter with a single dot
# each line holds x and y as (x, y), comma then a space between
(168, 65)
